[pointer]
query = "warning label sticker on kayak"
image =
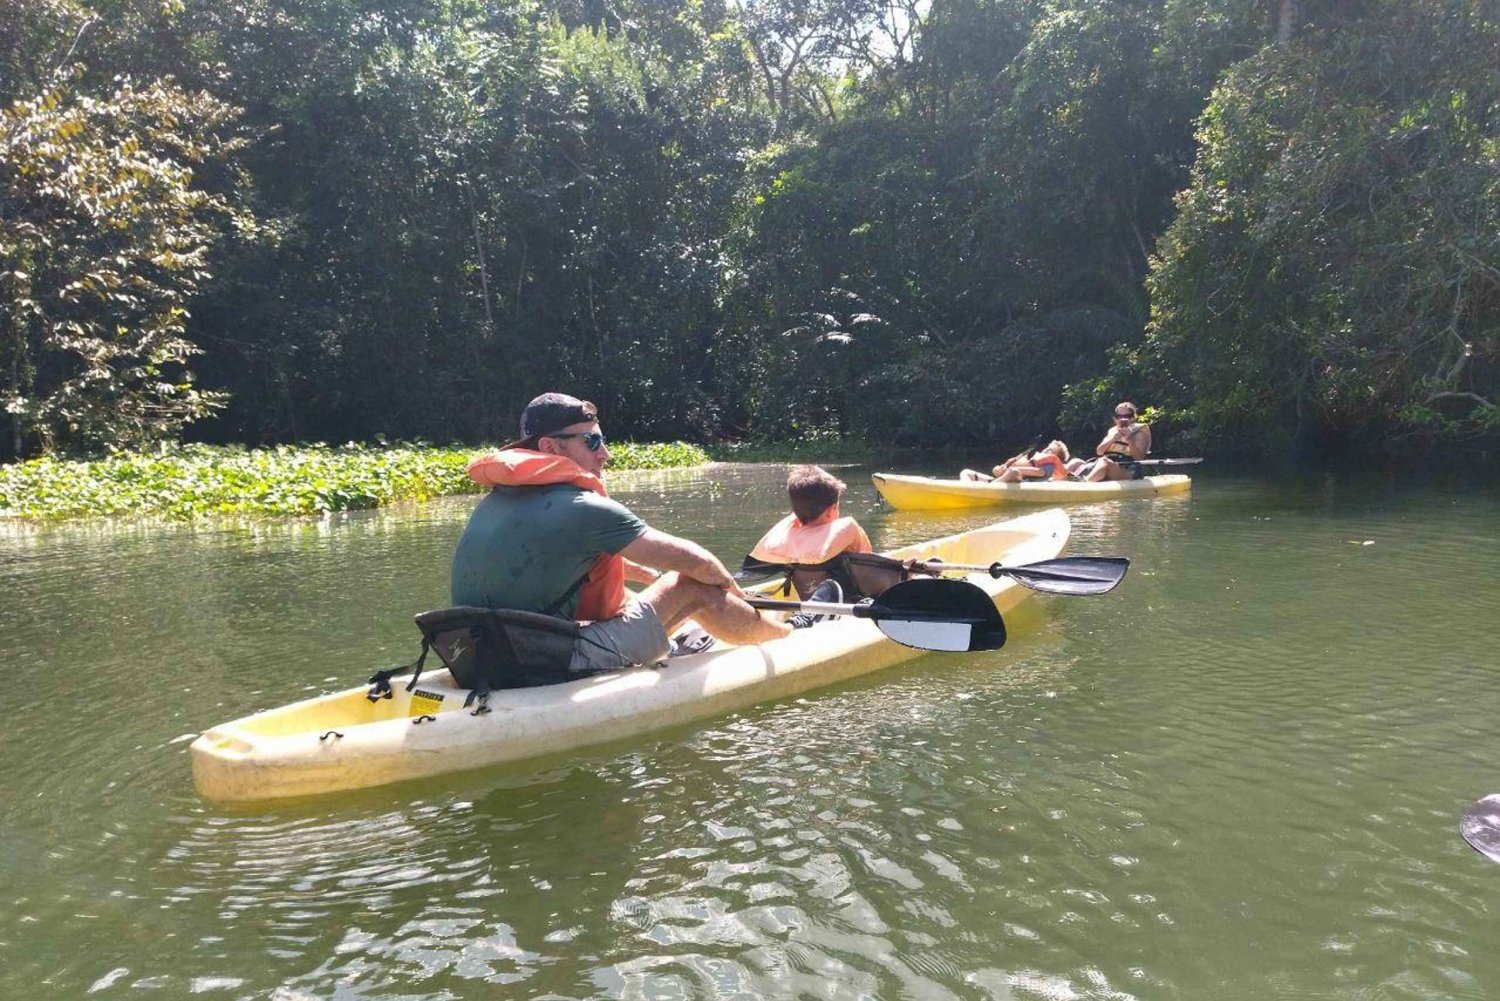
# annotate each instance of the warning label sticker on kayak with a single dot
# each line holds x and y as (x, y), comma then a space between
(425, 702)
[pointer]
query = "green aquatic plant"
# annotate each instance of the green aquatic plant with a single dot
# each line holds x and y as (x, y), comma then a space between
(193, 481)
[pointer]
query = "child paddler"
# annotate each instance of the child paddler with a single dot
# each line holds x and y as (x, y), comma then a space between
(810, 539)
(548, 538)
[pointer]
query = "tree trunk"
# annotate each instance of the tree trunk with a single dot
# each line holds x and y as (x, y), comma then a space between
(1285, 15)
(15, 419)
(484, 273)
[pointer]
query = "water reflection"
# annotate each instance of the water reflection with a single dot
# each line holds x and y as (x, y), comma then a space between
(1236, 777)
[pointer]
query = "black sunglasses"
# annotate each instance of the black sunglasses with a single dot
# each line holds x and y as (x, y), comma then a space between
(1124, 416)
(593, 440)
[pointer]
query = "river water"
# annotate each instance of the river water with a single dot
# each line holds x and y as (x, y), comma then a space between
(1239, 776)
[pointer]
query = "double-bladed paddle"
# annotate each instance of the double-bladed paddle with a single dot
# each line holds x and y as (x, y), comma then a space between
(1074, 575)
(1480, 826)
(1156, 462)
(951, 615)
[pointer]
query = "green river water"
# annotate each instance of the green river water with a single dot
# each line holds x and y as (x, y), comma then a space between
(1239, 776)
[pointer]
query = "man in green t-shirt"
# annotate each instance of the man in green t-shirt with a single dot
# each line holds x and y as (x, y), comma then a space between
(549, 539)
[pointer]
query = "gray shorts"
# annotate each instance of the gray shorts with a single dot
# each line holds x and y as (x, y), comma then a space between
(635, 636)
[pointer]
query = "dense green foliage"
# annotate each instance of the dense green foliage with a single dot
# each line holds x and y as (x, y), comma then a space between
(1334, 270)
(197, 480)
(271, 221)
(105, 240)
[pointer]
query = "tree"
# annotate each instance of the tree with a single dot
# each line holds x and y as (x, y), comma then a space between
(105, 229)
(1333, 273)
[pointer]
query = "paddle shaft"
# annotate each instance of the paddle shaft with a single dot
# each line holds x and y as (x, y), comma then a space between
(1075, 575)
(998, 570)
(876, 611)
(1156, 462)
(816, 607)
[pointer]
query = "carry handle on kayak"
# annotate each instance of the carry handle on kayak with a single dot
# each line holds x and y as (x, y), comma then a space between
(950, 615)
(1074, 575)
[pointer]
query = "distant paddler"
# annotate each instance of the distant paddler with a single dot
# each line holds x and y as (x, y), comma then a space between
(1122, 446)
(548, 538)
(1035, 465)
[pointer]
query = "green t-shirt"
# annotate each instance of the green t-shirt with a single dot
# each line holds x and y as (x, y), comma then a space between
(527, 547)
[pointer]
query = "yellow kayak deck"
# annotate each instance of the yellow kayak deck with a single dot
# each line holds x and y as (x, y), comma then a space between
(923, 493)
(343, 741)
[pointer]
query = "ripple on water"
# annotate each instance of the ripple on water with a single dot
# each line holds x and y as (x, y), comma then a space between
(1236, 777)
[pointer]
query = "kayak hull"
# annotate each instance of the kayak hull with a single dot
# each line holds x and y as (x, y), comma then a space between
(924, 493)
(343, 741)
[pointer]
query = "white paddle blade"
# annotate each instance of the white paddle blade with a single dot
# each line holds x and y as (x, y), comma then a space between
(952, 615)
(956, 637)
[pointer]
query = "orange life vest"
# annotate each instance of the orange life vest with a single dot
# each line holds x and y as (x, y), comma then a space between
(1051, 465)
(790, 541)
(602, 594)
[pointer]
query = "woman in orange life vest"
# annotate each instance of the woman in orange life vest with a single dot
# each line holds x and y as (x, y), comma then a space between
(1049, 463)
(811, 535)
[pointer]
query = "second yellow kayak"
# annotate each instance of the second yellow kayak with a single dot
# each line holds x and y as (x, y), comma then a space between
(914, 493)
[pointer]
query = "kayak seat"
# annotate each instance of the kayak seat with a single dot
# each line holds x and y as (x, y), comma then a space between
(860, 575)
(490, 648)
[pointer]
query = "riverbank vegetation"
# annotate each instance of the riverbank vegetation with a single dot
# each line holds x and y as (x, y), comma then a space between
(193, 481)
(270, 221)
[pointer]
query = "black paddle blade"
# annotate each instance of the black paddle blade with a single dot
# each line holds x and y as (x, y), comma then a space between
(1069, 574)
(951, 615)
(1480, 827)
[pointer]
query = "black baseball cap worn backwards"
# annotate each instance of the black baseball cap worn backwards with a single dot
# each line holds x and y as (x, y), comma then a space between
(549, 413)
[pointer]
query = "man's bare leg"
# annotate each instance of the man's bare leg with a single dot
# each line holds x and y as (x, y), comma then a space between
(676, 598)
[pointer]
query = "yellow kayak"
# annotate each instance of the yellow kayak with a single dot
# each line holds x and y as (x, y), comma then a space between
(344, 741)
(916, 493)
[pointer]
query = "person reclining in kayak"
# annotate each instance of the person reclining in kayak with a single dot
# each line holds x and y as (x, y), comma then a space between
(548, 538)
(810, 538)
(1051, 462)
(1122, 444)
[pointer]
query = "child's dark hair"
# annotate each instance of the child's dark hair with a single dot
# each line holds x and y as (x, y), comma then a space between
(812, 490)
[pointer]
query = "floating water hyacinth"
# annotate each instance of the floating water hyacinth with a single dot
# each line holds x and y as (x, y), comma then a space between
(192, 481)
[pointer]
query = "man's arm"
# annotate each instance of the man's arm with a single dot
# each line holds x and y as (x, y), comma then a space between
(637, 574)
(668, 552)
(1140, 445)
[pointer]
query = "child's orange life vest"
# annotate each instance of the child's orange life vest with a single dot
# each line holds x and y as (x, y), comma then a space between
(1051, 465)
(826, 536)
